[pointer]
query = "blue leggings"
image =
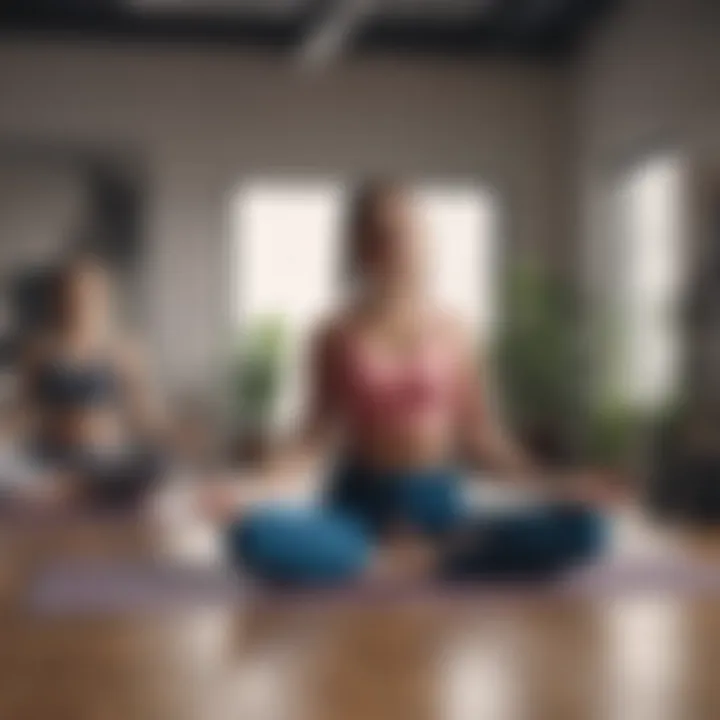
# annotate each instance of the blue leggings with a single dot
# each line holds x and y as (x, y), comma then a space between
(332, 542)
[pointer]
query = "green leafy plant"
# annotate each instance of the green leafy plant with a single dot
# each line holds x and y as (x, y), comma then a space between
(256, 374)
(614, 433)
(540, 358)
(620, 432)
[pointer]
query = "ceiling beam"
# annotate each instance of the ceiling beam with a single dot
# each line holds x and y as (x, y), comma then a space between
(332, 31)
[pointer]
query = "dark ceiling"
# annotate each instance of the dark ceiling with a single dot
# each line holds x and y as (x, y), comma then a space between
(448, 27)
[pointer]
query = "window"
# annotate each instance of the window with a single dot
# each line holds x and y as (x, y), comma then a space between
(288, 256)
(461, 223)
(647, 282)
(287, 263)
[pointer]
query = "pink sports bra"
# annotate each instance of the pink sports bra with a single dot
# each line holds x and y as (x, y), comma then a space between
(379, 391)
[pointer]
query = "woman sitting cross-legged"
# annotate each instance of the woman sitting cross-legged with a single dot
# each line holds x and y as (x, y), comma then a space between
(395, 402)
(87, 415)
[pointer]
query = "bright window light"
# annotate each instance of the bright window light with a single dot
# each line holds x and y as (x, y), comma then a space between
(461, 225)
(287, 263)
(287, 250)
(649, 273)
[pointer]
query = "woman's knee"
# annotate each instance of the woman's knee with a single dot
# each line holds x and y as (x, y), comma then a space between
(299, 546)
(537, 543)
(582, 531)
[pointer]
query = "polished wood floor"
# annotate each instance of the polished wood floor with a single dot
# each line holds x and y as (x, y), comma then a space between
(641, 658)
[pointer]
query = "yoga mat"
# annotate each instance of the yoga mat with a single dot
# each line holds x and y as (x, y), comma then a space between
(106, 587)
(91, 587)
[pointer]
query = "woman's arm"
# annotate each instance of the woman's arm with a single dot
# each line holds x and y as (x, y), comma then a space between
(489, 443)
(484, 436)
(308, 445)
(141, 400)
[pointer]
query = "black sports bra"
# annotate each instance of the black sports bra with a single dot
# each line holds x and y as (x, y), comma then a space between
(67, 385)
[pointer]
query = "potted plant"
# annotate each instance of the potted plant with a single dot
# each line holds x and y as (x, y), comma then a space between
(539, 359)
(616, 437)
(622, 432)
(256, 377)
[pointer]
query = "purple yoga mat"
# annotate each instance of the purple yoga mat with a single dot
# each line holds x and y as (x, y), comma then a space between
(107, 587)
(87, 587)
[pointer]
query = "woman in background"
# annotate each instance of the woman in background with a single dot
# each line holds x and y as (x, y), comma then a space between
(88, 411)
(397, 404)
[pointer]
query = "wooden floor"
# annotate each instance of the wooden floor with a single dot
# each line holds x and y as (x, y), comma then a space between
(647, 658)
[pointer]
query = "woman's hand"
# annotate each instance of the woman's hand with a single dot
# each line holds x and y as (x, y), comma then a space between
(593, 487)
(223, 499)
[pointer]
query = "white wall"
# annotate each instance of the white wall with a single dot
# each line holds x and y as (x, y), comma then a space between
(40, 206)
(203, 120)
